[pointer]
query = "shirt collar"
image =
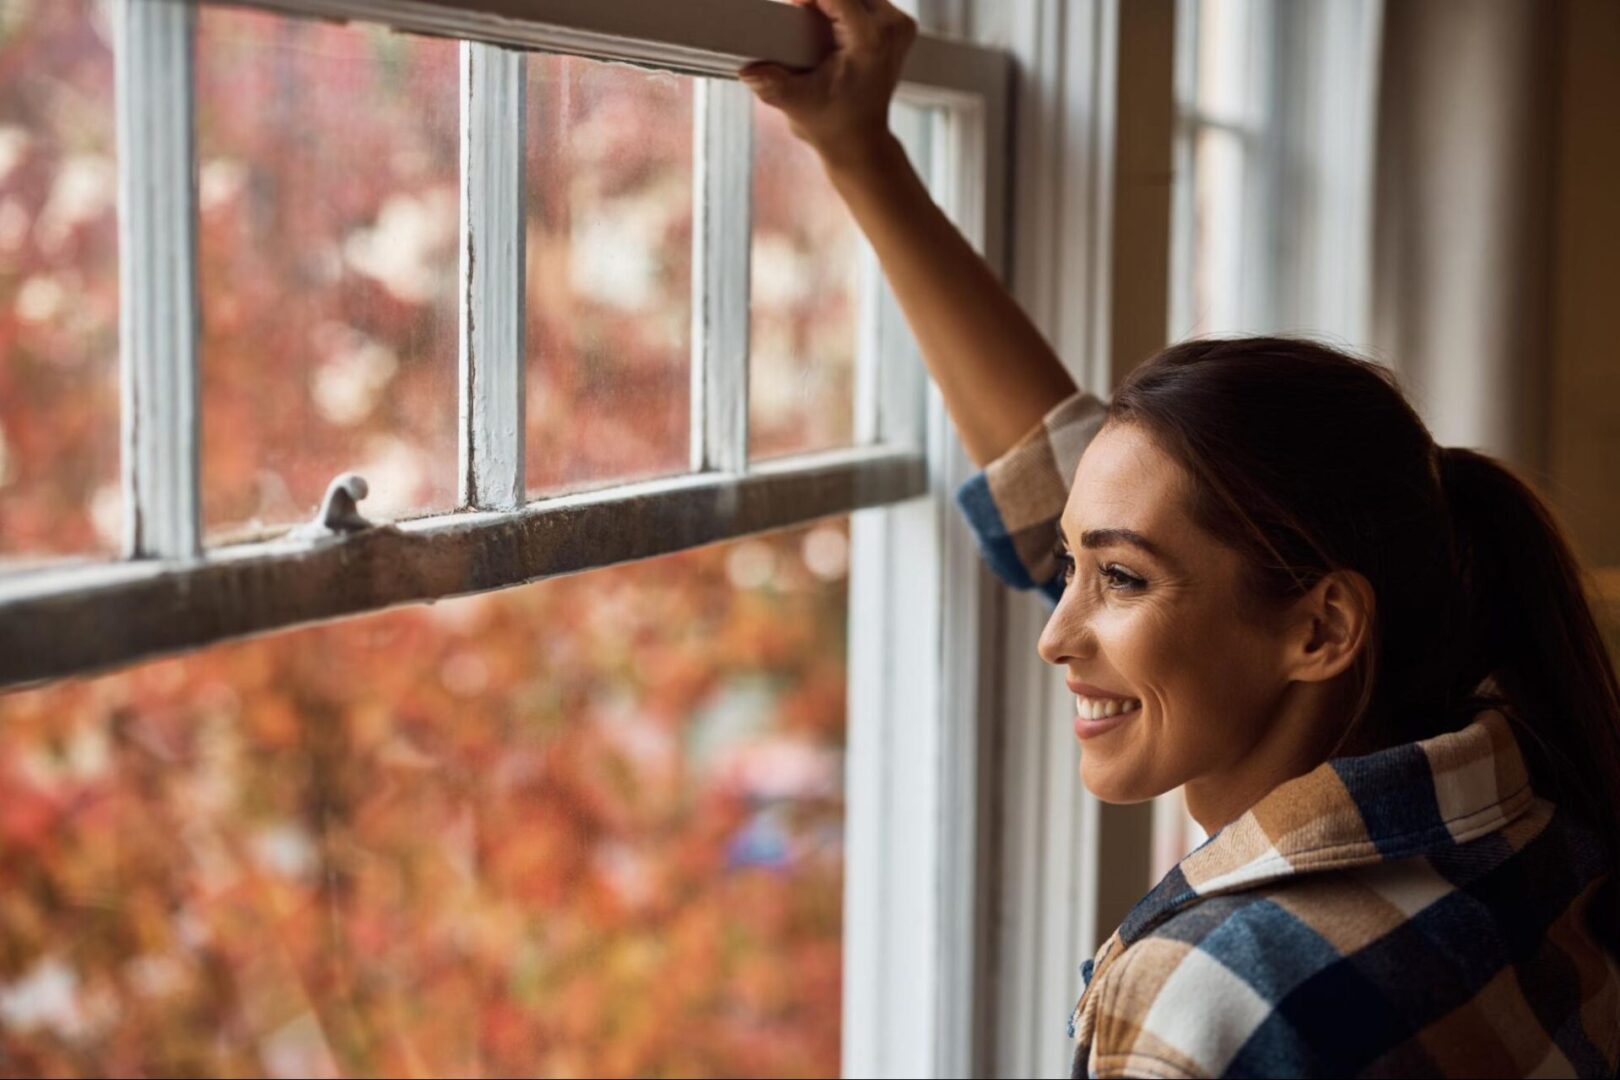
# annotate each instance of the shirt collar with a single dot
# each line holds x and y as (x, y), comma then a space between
(1412, 799)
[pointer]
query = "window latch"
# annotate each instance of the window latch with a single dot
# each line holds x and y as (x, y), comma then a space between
(338, 514)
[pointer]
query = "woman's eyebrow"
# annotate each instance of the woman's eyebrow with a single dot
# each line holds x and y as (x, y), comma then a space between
(1093, 538)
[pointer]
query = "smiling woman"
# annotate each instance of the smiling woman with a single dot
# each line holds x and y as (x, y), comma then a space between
(1367, 658)
(1313, 604)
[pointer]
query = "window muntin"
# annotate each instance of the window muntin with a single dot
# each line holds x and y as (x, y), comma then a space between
(327, 266)
(59, 397)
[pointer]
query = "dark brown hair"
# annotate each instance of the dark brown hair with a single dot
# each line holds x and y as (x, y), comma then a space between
(1306, 459)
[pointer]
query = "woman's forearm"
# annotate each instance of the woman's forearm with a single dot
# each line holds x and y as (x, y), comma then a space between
(998, 376)
(996, 372)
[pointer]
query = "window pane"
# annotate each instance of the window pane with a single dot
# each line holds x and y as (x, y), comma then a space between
(1228, 31)
(59, 395)
(1218, 286)
(609, 273)
(329, 195)
(802, 308)
(591, 826)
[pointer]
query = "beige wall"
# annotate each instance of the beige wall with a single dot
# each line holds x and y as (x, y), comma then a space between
(1584, 417)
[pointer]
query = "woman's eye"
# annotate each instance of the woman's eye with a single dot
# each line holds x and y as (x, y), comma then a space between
(1119, 579)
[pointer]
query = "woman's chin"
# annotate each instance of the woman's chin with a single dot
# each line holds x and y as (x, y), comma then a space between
(1109, 786)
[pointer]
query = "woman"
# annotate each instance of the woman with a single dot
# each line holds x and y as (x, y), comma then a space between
(1368, 658)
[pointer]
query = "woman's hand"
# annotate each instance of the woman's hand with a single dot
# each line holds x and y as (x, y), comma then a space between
(841, 106)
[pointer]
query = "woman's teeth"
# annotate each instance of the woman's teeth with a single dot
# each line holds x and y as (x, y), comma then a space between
(1100, 708)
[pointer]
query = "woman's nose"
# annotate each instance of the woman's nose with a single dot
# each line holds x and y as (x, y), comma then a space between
(1066, 635)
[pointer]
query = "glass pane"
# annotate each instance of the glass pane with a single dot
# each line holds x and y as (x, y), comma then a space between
(329, 195)
(803, 299)
(1226, 59)
(1217, 246)
(591, 826)
(609, 273)
(59, 394)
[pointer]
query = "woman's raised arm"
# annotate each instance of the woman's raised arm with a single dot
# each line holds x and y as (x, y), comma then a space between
(996, 373)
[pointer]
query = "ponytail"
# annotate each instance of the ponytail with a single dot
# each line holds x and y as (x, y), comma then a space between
(1522, 620)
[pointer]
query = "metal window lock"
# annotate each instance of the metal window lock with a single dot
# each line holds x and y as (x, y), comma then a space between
(339, 513)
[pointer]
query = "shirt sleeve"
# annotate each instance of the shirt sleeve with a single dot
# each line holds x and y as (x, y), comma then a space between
(1013, 504)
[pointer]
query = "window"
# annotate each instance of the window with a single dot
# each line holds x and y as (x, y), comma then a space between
(532, 288)
(1273, 156)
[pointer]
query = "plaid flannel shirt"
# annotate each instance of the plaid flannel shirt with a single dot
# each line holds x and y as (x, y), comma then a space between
(1418, 911)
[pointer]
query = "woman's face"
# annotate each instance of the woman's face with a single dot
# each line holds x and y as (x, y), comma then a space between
(1151, 613)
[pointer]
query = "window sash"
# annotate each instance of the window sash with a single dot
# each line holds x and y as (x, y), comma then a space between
(58, 622)
(173, 594)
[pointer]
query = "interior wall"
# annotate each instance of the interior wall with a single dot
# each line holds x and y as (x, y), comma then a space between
(1460, 279)
(1584, 427)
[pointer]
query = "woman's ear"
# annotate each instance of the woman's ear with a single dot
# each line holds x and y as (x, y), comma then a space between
(1331, 626)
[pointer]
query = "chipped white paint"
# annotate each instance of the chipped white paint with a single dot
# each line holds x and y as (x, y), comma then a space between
(157, 277)
(721, 234)
(491, 431)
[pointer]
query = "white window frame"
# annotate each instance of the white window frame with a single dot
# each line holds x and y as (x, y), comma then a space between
(1090, 242)
(919, 635)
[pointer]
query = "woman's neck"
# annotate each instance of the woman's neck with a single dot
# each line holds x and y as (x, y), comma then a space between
(1306, 729)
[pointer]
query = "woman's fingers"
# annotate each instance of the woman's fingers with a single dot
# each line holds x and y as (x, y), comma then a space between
(842, 104)
(854, 26)
(892, 20)
(774, 84)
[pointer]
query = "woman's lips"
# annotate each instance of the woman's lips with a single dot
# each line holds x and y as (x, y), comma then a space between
(1086, 729)
(1098, 710)
(1095, 714)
